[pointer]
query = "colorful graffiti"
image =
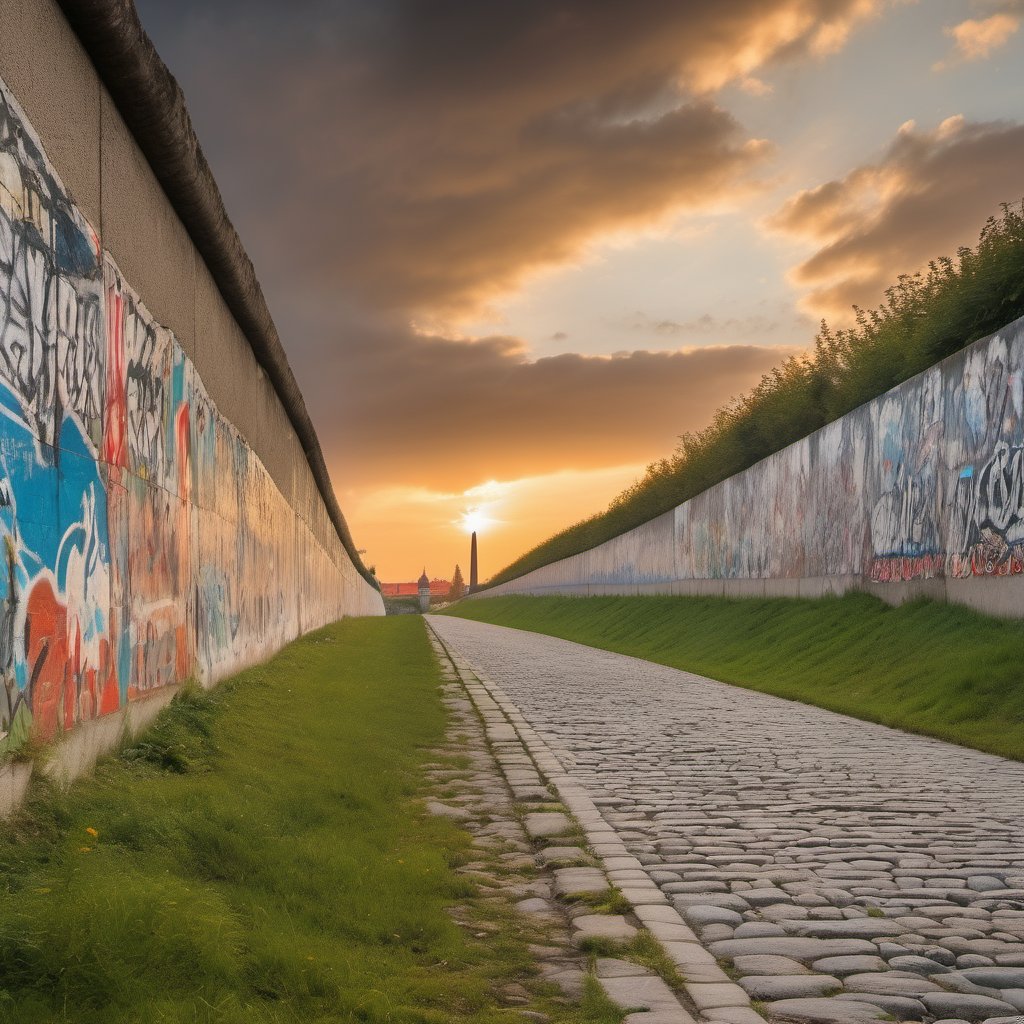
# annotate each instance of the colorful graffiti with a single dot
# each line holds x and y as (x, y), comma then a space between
(925, 482)
(143, 541)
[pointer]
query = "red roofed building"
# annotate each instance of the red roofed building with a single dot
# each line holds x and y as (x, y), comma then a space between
(438, 588)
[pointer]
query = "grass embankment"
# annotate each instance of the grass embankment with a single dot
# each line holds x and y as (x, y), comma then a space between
(930, 668)
(261, 855)
(925, 317)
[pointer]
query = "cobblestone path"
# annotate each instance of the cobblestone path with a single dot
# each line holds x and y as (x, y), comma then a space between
(824, 858)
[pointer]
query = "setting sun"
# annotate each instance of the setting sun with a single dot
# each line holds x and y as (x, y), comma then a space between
(475, 521)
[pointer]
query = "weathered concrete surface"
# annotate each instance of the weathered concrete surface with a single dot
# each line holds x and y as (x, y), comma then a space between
(166, 507)
(843, 846)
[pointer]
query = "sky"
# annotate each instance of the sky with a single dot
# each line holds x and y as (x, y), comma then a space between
(515, 250)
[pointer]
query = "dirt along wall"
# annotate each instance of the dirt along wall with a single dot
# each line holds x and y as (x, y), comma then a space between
(146, 535)
(919, 492)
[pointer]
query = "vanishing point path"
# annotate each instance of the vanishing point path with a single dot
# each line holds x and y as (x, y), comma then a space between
(822, 857)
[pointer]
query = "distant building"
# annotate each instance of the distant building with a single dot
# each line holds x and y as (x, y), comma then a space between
(438, 588)
(423, 588)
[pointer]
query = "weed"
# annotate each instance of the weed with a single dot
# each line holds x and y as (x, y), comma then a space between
(610, 901)
(598, 945)
(648, 952)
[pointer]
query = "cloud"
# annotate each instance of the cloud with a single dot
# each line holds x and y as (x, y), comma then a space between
(431, 412)
(928, 194)
(976, 39)
(754, 86)
(430, 156)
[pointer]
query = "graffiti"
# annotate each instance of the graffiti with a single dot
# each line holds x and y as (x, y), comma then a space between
(1000, 507)
(925, 482)
(989, 510)
(49, 286)
(142, 540)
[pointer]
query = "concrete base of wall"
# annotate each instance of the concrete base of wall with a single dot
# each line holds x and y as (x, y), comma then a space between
(14, 780)
(1001, 596)
(76, 753)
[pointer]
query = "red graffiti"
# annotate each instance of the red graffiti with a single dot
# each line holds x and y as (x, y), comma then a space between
(63, 689)
(900, 568)
(46, 650)
(115, 413)
(110, 695)
(183, 437)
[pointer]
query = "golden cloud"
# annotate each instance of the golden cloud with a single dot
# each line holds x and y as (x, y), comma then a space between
(976, 39)
(428, 157)
(928, 195)
(430, 412)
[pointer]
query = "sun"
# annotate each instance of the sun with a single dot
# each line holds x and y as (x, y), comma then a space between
(474, 521)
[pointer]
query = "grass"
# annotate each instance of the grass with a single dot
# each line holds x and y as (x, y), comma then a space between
(648, 952)
(925, 667)
(610, 901)
(262, 855)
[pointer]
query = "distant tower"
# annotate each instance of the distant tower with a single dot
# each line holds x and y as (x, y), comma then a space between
(423, 587)
(472, 565)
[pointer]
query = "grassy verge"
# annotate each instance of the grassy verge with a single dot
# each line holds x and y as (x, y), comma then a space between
(261, 855)
(930, 668)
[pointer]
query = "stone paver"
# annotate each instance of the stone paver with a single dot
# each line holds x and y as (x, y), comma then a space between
(633, 992)
(612, 927)
(545, 823)
(889, 863)
(571, 881)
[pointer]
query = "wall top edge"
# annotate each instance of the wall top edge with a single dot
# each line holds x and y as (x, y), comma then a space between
(153, 106)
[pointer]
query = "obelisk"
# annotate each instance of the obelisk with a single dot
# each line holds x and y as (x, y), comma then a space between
(472, 564)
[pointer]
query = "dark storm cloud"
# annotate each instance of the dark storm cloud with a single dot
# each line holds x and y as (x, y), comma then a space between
(431, 154)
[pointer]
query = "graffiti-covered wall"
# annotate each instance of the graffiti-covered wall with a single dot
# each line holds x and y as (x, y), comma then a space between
(142, 540)
(918, 492)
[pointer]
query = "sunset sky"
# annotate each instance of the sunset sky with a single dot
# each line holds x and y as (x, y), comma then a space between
(515, 249)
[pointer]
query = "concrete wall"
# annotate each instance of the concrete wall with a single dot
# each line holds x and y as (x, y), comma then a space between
(158, 517)
(920, 492)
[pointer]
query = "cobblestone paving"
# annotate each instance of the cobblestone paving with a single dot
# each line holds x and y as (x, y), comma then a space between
(826, 859)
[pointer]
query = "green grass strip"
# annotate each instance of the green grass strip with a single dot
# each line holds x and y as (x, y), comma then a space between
(259, 856)
(926, 667)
